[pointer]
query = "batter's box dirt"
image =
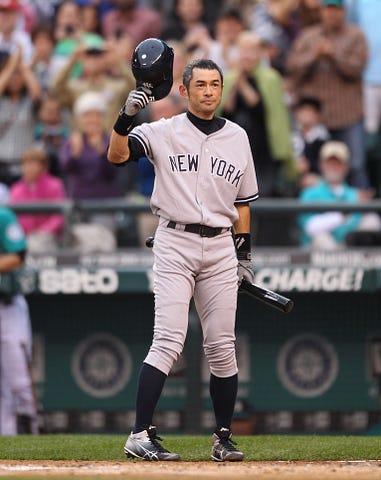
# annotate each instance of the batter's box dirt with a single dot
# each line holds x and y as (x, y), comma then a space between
(339, 470)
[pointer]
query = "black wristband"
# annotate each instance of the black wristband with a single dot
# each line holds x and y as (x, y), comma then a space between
(123, 124)
(243, 246)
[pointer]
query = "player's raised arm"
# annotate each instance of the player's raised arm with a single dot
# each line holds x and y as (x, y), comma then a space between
(118, 151)
(152, 67)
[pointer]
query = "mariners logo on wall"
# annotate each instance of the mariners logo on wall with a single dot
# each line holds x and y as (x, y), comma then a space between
(307, 365)
(101, 365)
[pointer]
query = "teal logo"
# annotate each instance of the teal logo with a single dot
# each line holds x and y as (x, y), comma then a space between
(307, 365)
(101, 365)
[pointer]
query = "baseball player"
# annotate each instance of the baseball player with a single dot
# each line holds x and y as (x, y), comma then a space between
(16, 393)
(204, 181)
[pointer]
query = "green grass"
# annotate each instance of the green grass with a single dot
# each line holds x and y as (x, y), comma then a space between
(192, 448)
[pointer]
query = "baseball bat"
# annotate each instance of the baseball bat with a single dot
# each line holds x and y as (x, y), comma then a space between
(269, 297)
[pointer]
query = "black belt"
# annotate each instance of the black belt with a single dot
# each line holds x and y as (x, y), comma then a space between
(202, 230)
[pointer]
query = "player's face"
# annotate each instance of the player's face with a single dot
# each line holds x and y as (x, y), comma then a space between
(204, 93)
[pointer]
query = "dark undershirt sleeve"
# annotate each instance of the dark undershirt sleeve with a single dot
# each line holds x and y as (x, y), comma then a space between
(136, 151)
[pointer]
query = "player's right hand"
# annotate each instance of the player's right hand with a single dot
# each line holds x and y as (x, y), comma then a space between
(245, 271)
(137, 99)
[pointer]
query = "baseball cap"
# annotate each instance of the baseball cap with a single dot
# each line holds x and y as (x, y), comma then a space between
(335, 149)
(94, 41)
(335, 3)
(10, 5)
(90, 101)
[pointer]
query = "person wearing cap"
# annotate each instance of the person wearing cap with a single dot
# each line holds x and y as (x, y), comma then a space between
(18, 404)
(327, 60)
(69, 34)
(11, 35)
(83, 155)
(97, 60)
(87, 173)
(328, 230)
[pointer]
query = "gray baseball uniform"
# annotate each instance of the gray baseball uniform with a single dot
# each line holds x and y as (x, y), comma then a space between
(199, 179)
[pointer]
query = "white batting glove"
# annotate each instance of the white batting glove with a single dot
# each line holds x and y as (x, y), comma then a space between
(245, 271)
(136, 101)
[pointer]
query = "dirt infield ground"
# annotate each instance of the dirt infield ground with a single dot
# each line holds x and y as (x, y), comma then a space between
(340, 470)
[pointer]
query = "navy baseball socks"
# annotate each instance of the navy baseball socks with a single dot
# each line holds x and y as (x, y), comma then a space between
(143, 442)
(223, 392)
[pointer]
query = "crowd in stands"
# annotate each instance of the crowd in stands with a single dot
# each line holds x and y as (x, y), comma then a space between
(297, 74)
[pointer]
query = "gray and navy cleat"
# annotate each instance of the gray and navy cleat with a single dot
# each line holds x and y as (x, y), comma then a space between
(145, 445)
(223, 449)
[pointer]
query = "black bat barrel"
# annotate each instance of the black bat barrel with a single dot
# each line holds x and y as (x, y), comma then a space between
(269, 297)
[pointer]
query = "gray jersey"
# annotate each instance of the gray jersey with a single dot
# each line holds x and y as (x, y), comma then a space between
(199, 177)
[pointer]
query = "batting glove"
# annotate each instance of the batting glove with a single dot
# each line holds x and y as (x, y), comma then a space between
(245, 271)
(136, 101)
(245, 264)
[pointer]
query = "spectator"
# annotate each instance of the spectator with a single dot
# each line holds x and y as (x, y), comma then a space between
(43, 231)
(28, 16)
(223, 49)
(83, 154)
(129, 24)
(308, 137)
(253, 98)
(84, 164)
(91, 20)
(19, 95)
(329, 230)
(17, 403)
(276, 24)
(96, 63)
(366, 15)
(50, 130)
(102, 6)
(43, 42)
(45, 9)
(328, 61)
(188, 25)
(69, 35)
(309, 12)
(10, 34)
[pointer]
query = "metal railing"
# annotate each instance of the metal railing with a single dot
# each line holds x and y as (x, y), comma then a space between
(267, 206)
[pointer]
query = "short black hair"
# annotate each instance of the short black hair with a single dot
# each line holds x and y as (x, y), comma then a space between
(231, 12)
(203, 64)
(309, 100)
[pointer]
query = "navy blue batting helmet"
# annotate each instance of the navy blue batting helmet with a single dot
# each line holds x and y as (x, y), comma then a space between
(152, 66)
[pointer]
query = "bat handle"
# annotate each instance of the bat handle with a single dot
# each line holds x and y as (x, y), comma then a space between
(149, 242)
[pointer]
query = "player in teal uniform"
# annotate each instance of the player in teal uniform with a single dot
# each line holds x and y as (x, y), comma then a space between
(16, 393)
